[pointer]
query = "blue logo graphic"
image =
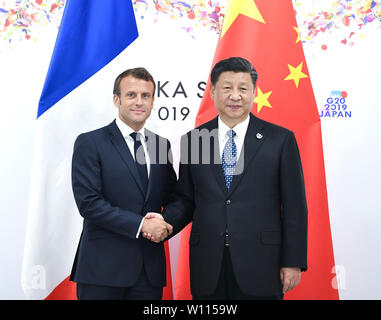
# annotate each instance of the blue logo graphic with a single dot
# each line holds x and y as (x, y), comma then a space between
(336, 106)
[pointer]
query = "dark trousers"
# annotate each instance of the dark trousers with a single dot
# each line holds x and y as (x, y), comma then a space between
(227, 287)
(141, 290)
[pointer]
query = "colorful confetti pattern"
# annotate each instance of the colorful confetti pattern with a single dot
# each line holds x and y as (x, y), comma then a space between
(195, 13)
(18, 17)
(350, 16)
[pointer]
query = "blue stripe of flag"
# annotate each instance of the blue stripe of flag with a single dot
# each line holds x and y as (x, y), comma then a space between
(92, 33)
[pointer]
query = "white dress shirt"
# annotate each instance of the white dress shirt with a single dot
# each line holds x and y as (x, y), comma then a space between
(126, 131)
(240, 130)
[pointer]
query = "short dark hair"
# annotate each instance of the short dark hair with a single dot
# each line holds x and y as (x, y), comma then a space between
(235, 64)
(139, 73)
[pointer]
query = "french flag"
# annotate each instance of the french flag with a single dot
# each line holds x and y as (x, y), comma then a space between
(76, 97)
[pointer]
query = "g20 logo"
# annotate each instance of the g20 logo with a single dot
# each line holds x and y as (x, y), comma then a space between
(336, 106)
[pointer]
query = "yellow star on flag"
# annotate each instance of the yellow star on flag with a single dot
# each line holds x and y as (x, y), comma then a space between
(296, 73)
(297, 31)
(236, 7)
(262, 99)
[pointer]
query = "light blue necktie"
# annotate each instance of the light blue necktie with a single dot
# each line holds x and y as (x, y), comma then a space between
(229, 158)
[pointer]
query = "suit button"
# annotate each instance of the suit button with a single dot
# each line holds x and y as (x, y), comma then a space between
(228, 202)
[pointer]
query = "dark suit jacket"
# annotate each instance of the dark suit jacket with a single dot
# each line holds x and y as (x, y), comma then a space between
(264, 211)
(110, 198)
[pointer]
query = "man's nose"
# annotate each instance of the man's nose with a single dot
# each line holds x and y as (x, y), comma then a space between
(139, 100)
(235, 95)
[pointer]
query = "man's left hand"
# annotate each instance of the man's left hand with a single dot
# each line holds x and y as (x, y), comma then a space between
(290, 278)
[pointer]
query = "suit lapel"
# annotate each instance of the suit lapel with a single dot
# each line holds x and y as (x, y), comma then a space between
(215, 156)
(253, 140)
(217, 167)
(121, 146)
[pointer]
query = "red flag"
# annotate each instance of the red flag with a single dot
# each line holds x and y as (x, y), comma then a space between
(66, 290)
(265, 32)
(167, 290)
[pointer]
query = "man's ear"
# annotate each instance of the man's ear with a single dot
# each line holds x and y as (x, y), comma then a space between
(212, 89)
(116, 100)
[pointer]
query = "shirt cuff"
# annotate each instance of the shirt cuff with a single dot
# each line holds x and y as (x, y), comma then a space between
(140, 227)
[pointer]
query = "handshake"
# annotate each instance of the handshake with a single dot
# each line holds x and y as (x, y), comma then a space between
(154, 227)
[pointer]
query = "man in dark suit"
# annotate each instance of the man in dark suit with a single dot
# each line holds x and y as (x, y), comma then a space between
(119, 173)
(241, 185)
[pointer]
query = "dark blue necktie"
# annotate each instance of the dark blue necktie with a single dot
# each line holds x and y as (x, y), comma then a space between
(140, 160)
(229, 159)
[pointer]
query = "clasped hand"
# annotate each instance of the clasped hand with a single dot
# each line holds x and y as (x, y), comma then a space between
(155, 228)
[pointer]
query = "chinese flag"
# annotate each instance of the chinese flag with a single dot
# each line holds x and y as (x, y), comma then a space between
(167, 290)
(265, 32)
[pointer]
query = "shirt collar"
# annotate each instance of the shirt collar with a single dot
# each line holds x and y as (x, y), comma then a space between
(240, 128)
(126, 130)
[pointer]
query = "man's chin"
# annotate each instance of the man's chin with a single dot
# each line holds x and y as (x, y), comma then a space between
(236, 115)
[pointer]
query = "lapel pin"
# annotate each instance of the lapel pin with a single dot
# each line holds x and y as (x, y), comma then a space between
(259, 135)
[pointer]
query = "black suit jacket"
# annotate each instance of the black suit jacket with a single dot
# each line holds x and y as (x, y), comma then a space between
(264, 210)
(110, 198)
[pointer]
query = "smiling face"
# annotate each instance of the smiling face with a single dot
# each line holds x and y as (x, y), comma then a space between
(233, 96)
(135, 101)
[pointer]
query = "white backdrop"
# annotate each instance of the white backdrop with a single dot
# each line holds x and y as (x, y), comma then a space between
(344, 65)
